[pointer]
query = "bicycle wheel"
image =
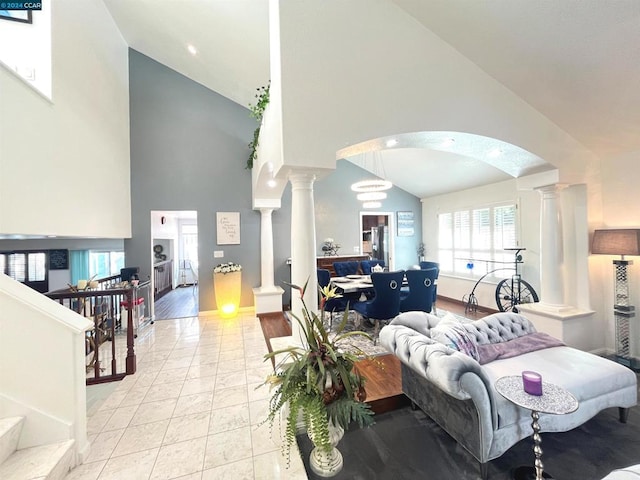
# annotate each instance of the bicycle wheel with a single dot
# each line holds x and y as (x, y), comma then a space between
(505, 296)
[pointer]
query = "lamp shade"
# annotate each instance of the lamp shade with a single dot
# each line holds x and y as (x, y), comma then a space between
(616, 242)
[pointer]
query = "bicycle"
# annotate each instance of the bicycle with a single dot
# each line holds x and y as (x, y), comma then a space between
(510, 292)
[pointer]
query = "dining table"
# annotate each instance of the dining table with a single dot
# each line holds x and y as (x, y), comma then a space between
(352, 283)
(356, 283)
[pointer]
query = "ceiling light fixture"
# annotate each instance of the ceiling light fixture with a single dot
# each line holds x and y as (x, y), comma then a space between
(375, 165)
(496, 152)
(271, 183)
(391, 142)
(374, 185)
(368, 196)
(447, 142)
(371, 205)
(192, 50)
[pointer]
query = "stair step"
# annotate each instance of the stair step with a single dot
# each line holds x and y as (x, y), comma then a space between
(10, 428)
(50, 462)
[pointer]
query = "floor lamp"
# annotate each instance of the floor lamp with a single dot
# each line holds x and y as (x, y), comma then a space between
(620, 242)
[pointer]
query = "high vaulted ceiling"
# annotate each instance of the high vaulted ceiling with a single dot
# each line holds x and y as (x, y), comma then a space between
(575, 61)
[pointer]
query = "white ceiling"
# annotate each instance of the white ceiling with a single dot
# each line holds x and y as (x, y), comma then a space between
(575, 61)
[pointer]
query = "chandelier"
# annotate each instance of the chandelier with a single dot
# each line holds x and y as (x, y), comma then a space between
(369, 196)
(373, 185)
(371, 205)
(371, 191)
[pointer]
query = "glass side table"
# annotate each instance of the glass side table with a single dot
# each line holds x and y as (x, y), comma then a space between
(554, 400)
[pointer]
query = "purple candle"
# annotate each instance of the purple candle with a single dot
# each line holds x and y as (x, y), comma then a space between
(532, 382)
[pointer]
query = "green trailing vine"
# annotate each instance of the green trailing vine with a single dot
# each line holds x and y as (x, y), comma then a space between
(257, 112)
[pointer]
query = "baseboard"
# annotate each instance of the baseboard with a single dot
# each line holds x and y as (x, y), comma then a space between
(480, 308)
(215, 312)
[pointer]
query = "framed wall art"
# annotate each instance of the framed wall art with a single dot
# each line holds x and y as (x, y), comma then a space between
(228, 228)
(405, 224)
(23, 16)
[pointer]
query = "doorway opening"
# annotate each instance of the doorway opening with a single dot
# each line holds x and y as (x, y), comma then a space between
(376, 239)
(174, 251)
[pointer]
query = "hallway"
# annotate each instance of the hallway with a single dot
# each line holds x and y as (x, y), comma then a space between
(178, 303)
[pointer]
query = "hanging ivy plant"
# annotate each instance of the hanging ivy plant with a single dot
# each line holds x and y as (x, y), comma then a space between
(257, 111)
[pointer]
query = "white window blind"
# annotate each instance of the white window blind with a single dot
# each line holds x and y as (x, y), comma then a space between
(17, 266)
(471, 240)
(37, 266)
(445, 241)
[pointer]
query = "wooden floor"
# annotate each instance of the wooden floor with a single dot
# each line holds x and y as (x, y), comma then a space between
(384, 383)
(178, 303)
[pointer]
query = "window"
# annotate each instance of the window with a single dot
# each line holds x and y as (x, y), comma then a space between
(472, 242)
(28, 267)
(105, 264)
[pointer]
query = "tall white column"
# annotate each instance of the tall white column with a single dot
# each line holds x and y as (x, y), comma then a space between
(266, 248)
(303, 245)
(551, 256)
(267, 297)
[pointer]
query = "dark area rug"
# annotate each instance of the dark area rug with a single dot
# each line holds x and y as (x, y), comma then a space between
(407, 445)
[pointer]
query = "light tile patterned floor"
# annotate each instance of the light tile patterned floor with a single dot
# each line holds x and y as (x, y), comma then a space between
(192, 410)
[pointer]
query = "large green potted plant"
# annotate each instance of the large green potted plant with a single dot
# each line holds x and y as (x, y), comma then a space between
(316, 383)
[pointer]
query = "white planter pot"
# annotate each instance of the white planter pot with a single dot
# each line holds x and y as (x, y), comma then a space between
(227, 288)
(327, 464)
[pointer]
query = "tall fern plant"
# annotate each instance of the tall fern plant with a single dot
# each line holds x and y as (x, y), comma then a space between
(317, 381)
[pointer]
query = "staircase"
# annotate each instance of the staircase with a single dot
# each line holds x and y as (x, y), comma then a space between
(50, 462)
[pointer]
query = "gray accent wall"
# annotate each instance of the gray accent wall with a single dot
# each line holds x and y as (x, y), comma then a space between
(338, 213)
(188, 152)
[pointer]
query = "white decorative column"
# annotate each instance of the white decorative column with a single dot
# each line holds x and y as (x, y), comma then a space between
(552, 315)
(267, 298)
(266, 247)
(303, 245)
(551, 272)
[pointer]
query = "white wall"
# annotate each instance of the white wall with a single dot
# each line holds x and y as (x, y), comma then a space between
(42, 367)
(65, 165)
(26, 48)
(346, 80)
(620, 200)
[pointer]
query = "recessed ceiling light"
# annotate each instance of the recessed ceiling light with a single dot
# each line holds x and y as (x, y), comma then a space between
(272, 183)
(496, 152)
(447, 142)
(192, 50)
(392, 142)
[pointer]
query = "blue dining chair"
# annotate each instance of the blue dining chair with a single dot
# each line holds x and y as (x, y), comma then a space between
(426, 265)
(343, 269)
(333, 304)
(385, 304)
(422, 284)
(367, 265)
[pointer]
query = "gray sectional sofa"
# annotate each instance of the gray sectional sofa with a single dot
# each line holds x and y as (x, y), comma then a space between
(457, 391)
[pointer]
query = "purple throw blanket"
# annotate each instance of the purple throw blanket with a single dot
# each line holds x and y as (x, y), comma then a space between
(517, 346)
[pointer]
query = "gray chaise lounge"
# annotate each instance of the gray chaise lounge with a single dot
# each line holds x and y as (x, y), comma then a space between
(457, 392)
